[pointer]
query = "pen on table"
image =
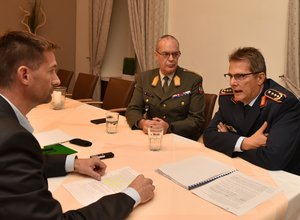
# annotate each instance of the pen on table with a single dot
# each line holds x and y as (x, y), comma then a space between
(103, 155)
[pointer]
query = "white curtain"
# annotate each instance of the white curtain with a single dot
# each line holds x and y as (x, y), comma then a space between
(147, 24)
(292, 77)
(100, 14)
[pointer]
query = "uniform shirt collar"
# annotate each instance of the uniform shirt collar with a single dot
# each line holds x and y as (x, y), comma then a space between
(253, 101)
(21, 118)
(170, 76)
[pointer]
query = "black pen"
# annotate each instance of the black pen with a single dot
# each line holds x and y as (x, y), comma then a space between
(103, 155)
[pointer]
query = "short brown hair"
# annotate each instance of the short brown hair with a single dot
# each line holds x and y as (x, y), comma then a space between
(253, 56)
(19, 48)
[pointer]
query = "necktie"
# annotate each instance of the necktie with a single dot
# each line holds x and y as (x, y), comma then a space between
(165, 86)
(246, 109)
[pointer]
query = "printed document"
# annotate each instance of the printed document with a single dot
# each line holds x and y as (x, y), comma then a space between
(236, 193)
(89, 190)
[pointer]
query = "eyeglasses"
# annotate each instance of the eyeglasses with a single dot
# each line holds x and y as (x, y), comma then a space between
(238, 76)
(166, 55)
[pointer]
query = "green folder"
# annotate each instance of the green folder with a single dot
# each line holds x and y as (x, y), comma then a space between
(58, 149)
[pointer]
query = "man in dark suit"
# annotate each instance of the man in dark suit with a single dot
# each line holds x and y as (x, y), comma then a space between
(27, 78)
(169, 96)
(258, 120)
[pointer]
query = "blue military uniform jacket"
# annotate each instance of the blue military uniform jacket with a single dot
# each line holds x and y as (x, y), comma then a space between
(281, 110)
(182, 106)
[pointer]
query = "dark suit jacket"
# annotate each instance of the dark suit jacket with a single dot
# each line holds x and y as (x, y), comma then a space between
(23, 185)
(182, 106)
(282, 150)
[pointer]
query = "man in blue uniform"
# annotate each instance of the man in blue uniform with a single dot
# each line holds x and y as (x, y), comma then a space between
(169, 96)
(258, 120)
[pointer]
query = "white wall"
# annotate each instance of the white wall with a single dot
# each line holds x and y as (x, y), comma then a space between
(119, 44)
(209, 30)
(82, 37)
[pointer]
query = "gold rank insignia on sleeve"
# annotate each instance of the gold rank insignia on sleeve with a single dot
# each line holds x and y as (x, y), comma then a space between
(275, 95)
(227, 91)
(155, 81)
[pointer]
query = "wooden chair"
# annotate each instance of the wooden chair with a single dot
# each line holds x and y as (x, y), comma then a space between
(84, 86)
(117, 95)
(210, 101)
(65, 77)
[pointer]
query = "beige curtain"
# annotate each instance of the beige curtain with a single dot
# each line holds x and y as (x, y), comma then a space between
(100, 14)
(292, 77)
(147, 24)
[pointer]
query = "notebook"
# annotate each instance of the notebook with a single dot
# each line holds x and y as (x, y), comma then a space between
(196, 171)
(218, 183)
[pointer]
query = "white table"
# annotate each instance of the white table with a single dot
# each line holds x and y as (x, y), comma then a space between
(131, 149)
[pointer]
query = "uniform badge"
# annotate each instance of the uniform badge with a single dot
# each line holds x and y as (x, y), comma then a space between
(233, 100)
(275, 95)
(145, 116)
(181, 94)
(148, 94)
(155, 81)
(200, 89)
(176, 80)
(227, 91)
(263, 101)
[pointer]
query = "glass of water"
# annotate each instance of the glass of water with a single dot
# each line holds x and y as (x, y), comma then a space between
(58, 97)
(112, 119)
(155, 134)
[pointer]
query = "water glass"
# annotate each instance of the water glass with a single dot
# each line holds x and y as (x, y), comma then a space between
(112, 119)
(58, 97)
(155, 134)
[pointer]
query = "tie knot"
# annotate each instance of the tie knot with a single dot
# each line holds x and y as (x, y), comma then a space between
(166, 79)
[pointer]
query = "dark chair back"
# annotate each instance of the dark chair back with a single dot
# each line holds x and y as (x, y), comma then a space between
(118, 93)
(84, 86)
(65, 77)
(210, 101)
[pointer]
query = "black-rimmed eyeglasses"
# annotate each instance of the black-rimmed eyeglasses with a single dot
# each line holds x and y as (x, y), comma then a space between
(166, 55)
(238, 76)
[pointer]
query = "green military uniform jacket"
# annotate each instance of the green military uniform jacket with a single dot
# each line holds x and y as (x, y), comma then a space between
(182, 106)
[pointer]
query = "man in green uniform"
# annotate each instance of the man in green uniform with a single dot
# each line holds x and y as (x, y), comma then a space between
(169, 96)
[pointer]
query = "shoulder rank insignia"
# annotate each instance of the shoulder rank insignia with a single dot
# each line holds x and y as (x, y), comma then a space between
(275, 95)
(227, 91)
(176, 80)
(155, 81)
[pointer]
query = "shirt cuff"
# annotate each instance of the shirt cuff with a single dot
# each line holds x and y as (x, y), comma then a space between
(133, 194)
(70, 161)
(237, 147)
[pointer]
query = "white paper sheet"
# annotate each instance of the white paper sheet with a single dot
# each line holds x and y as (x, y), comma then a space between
(236, 192)
(88, 190)
(55, 182)
(52, 137)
